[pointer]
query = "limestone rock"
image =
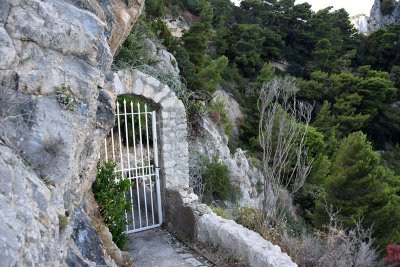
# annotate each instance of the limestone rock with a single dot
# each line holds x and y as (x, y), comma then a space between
(177, 26)
(241, 170)
(164, 62)
(378, 20)
(360, 22)
(55, 110)
(233, 110)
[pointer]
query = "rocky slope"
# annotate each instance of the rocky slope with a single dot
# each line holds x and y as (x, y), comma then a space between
(55, 109)
(378, 20)
(242, 170)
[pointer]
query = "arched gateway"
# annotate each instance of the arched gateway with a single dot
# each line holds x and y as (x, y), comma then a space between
(148, 145)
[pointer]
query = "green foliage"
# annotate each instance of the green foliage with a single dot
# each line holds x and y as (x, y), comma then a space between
(306, 199)
(325, 57)
(110, 196)
(250, 218)
(62, 222)
(197, 38)
(132, 53)
(210, 75)
(360, 187)
(221, 212)
(155, 8)
(217, 181)
(381, 49)
(395, 76)
(246, 44)
(267, 73)
(387, 6)
(391, 159)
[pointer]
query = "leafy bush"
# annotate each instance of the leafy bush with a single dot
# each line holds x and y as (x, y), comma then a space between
(110, 195)
(210, 75)
(387, 7)
(216, 181)
(155, 8)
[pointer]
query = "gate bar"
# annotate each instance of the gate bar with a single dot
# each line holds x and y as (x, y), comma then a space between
(141, 152)
(155, 148)
(129, 163)
(136, 168)
(120, 153)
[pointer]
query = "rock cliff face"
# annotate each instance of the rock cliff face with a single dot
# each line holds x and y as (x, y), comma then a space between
(378, 20)
(241, 170)
(360, 22)
(55, 109)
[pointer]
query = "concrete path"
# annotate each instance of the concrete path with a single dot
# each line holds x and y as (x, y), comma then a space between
(158, 248)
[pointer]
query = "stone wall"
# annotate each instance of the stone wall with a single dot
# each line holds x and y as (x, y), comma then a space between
(244, 244)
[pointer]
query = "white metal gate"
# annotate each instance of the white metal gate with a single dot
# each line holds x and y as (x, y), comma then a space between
(133, 147)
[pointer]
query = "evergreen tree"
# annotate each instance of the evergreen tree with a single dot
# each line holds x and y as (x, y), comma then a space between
(197, 38)
(361, 188)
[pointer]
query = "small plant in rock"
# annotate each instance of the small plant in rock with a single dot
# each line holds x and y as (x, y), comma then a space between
(221, 212)
(109, 190)
(217, 112)
(66, 99)
(62, 222)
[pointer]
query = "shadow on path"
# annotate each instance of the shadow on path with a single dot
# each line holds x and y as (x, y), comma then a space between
(158, 248)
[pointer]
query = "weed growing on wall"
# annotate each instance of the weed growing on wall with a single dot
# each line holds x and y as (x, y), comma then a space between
(110, 196)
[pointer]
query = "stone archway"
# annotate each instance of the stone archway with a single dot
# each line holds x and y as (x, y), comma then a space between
(172, 118)
(173, 146)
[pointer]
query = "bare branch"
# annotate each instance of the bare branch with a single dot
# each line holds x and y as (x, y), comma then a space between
(283, 138)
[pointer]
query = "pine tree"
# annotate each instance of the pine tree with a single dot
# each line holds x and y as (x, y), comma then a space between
(361, 188)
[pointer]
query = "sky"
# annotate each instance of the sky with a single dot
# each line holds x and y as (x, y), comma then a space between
(353, 7)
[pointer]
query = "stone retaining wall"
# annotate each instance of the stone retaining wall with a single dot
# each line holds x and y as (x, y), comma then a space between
(244, 244)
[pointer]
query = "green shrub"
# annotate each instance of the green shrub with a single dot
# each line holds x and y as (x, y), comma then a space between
(110, 196)
(250, 218)
(217, 181)
(387, 7)
(62, 222)
(220, 212)
(133, 54)
(155, 8)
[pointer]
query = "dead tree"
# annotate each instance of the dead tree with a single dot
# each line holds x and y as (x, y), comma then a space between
(283, 125)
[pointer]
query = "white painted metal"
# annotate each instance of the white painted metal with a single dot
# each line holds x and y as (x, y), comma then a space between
(143, 173)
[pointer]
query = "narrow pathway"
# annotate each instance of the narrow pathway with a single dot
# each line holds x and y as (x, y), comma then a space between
(158, 248)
